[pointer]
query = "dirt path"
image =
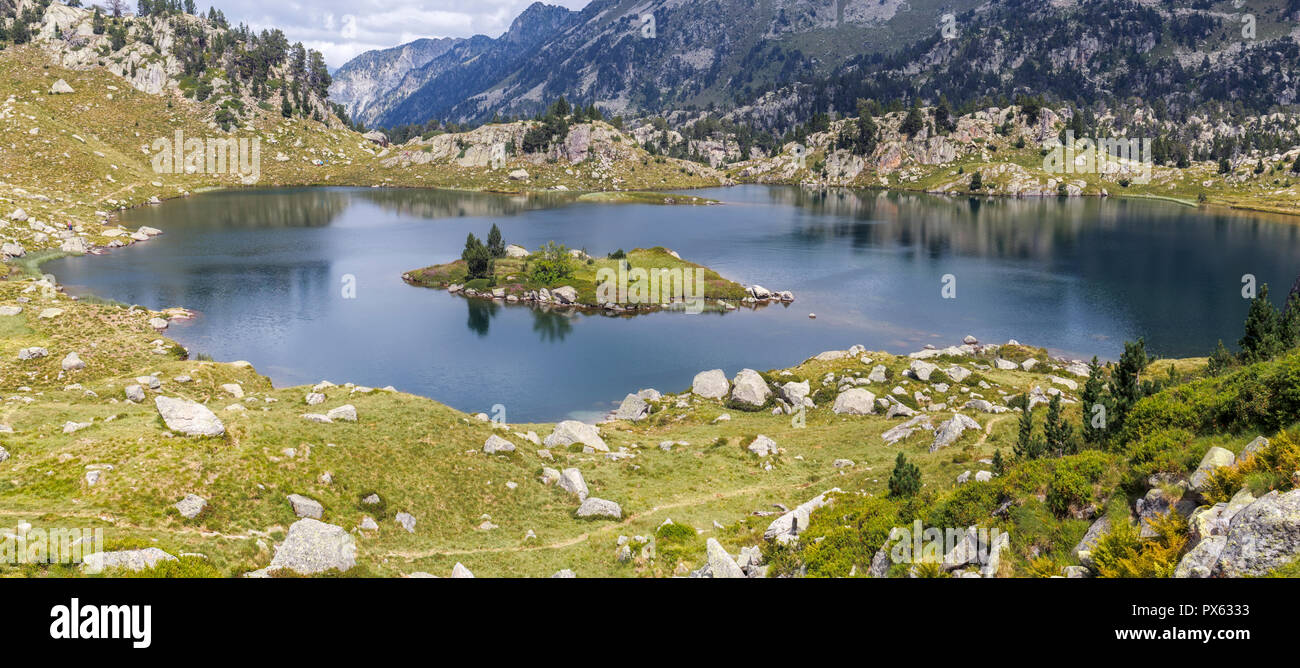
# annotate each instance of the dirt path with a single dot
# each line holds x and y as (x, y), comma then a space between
(569, 542)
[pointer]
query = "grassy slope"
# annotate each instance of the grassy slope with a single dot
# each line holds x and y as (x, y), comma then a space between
(420, 456)
(511, 274)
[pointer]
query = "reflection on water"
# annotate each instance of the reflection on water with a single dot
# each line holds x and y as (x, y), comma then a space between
(265, 270)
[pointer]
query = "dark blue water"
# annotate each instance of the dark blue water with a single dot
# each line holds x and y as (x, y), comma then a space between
(266, 271)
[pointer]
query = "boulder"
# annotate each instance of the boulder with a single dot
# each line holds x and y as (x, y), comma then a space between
(514, 250)
(460, 572)
(72, 362)
(710, 384)
(61, 87)
(1262, 536)
(313, 547)
(571, 481)
(32, 353)
(855, 401)
(787, 527)
(406, 521)
(565, 295)
(1200, 560)
(346, 412)
(762, 446)
(594, 507)
(749, 388)
(921, 370)
(1215, 458)
(518, 175)
(497, 444)
(131, 560)
(633, 408)
(1083, 551)
(950, 430)
(569, 432)
(721, 565)
(1157, 503)
(190, 506)
(75, 245)
(795, 393)
(877, 374)
(305, 507)
(188, 417)
(1254, 447)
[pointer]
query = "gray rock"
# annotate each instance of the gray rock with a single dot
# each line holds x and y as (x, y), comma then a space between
(710, 384)
(1157, 503)
(305, 507)
(570, 480)
(951, 430)
(633, 408)
(721, 565)
(313, 547)
(315, 398)
(72, 362)
(346, 412)
(1083, 551)
(4, 455)
(131, 560)
(61, 87)
(188, 417)
(569, 432)
(749, 388)
(788, 526)
(594, 507)
(1200, 560)
(495, 444)
(190, 506)
(983, 476)
(1076, 572)
(921, 370)
(795, 393)
(406, 521)
(10, 310)
(843, 463)
(564, 573)
(32, 353)
(1216, 457)
(855, 401)
(762, 446)
(460, 572)
(1262, 536)
(1254, 447)
(134, 393)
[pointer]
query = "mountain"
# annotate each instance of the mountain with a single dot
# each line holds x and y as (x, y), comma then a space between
(703, 53)
(372, 76)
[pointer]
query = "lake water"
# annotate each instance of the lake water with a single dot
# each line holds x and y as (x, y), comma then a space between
(265, 270)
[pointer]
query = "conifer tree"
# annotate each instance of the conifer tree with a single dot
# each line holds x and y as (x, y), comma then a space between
(905, 481)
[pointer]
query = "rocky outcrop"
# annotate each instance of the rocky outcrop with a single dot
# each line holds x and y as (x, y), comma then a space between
(188, 417)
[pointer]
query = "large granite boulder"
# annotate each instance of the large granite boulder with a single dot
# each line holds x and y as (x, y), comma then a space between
(749, 388)
(1262, 536)
(855, 401)
(569, 432)
(710, 384)
(313, 546)
(188, 417)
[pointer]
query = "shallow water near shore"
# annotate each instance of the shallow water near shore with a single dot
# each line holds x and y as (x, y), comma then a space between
(266, 270)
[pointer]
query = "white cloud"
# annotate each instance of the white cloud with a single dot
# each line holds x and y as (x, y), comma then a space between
(342, 29)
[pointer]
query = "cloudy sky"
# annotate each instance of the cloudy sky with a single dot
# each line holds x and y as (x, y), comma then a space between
(341, 29)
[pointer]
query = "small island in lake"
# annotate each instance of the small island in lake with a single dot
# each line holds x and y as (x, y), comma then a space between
(639, 281)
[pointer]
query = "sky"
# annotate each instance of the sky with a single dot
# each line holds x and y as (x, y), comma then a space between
(342, 29)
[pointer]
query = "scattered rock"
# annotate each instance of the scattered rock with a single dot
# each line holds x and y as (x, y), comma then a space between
(569, 432)
(497, 444)
(188, 417)
(406, 521)
(190, 506)
(710, 384)
(855, 401)
(594, 507)
(131, 560)
(305, 507)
